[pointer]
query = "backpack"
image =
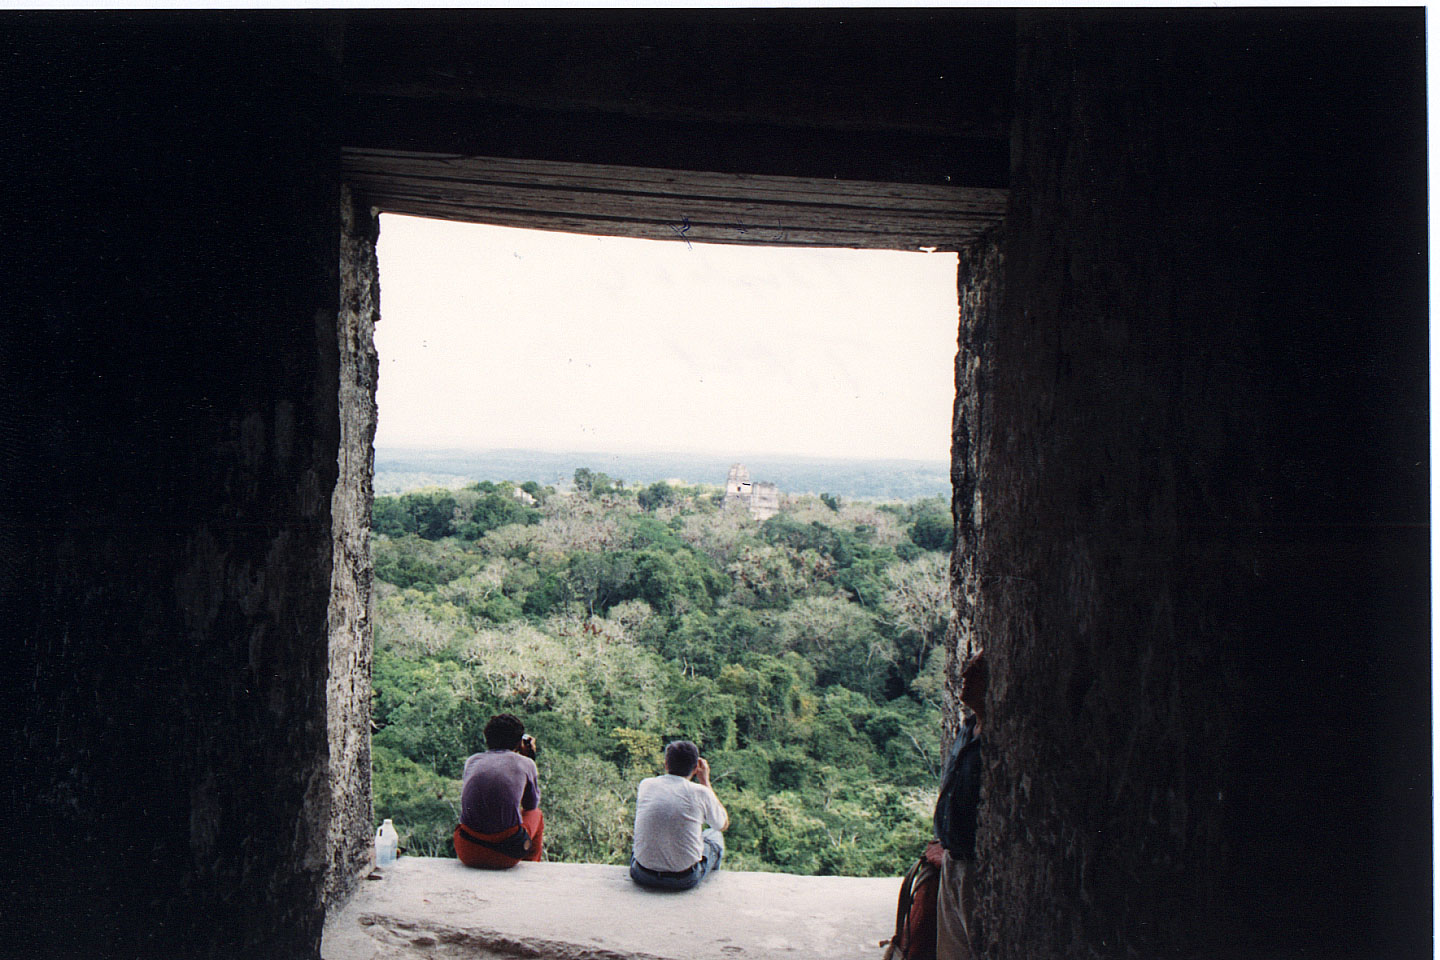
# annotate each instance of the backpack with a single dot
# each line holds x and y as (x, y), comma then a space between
(914, 937)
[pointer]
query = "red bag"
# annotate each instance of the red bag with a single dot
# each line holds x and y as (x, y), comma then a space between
(914, 937)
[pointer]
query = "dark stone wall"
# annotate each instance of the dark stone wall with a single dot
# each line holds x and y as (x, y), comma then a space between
(170, 383)
(907, 95)
(1190, 457)
(1203, 556)
(352, 577)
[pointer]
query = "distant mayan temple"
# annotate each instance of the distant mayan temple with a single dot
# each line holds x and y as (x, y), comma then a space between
(761, 499)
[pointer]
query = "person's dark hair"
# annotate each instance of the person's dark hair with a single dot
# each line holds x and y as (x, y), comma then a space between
(681, 757)
(976, 664)
(974, 678)
(504, 731)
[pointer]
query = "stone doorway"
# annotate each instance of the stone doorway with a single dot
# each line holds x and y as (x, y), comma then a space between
(677, 206)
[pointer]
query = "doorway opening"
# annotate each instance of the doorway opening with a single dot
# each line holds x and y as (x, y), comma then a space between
(768, 623)
(567, 528)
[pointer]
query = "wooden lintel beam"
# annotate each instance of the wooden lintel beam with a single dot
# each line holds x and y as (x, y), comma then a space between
(674, 205)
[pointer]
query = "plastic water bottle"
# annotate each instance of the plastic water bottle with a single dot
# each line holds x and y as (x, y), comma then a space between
(387, 843)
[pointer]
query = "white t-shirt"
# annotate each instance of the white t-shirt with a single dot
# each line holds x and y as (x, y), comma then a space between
(669, 811)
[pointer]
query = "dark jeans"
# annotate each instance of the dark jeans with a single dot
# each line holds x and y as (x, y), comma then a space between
(685, 879)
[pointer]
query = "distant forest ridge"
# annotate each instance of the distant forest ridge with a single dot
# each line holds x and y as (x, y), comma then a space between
(400, 470)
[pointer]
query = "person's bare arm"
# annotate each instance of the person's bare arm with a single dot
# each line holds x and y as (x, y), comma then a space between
(702, 777)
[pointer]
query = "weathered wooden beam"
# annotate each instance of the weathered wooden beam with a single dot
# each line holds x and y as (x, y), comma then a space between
(661, 204)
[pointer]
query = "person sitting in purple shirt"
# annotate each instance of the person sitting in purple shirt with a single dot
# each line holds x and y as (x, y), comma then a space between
(500, 819)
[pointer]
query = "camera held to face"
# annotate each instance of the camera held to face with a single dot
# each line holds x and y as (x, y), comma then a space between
(527, 747)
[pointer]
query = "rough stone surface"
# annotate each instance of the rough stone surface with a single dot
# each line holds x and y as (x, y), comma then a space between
(761, 499)
(1197, 512)
(979, 292)
(428, 907)
(351, 630)
(1200, 546)
(1100, 791)
(170, 449)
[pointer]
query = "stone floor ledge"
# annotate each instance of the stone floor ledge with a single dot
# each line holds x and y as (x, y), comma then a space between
(431, 907)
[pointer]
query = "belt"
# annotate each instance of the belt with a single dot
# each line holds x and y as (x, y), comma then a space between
(671, 874)
(514, 844)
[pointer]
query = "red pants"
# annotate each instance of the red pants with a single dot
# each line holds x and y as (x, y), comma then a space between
(474, 855)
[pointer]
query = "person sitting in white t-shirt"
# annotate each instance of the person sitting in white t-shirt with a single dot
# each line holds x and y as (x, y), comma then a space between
(672, 851)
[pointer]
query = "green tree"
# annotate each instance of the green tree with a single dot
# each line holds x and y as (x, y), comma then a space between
(646, 531)
(427, 513)
(491, 511)
(768, 576)
(919, 605)
(390, 518)
(589, 809)
(691, 643)
(424, 805)
(431, 711)
(676, 582)
(695, 709)
(776, 693)
(658, 494)
(592, 484)
(933, 531)
(842, 640)
(638, 751)
(410, 561)
(803, 656)
(433, 513)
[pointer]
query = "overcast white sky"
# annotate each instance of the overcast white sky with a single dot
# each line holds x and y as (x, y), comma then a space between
(498, 337)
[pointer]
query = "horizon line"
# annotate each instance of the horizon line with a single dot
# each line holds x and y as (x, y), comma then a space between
(721, 455)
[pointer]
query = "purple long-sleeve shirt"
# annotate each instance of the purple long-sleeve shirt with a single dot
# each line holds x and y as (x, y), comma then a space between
(495, 787)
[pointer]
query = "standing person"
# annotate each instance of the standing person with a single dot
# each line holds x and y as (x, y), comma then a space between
(500, 819)
(672, 851)
(955, 815)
